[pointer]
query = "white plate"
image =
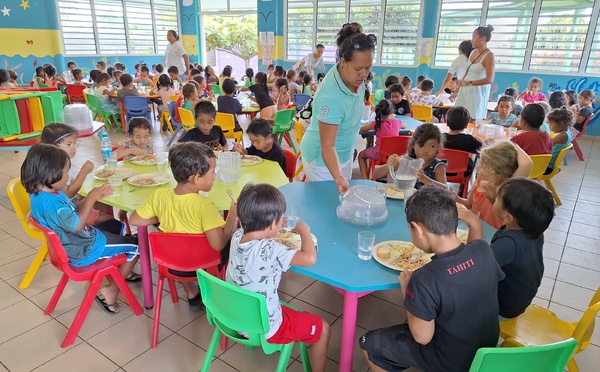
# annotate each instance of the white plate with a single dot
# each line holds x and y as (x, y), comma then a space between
(251, 159)
(291, 239)
(158, 178)
(395, 261)
(140, 160)
(394, 193)
(123, 172)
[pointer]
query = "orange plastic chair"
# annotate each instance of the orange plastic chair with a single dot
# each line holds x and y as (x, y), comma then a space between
(20, 202)
(574, 142)
(187, 119)
(389, 145)
(540, 326)
(227, 124)
(547, 178)
(182, 252)
(95, 273)
(422, 112)
(290, 164)
(458, 164)
(540, 163)
(75, 93)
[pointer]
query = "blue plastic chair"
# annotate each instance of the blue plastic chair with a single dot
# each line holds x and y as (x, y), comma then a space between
(300, 100)
(135, 107)
(177, 126)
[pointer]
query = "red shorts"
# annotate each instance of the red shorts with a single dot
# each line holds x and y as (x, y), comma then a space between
(298, 326)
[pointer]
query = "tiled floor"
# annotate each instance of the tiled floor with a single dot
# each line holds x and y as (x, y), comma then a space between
(31, 341)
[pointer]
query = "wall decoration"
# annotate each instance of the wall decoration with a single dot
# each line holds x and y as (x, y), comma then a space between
(25, 4)
(6, 11)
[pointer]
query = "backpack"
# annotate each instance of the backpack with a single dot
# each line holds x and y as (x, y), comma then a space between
(306, 112)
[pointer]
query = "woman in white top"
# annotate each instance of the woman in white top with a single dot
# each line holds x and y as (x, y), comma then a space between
(176, 55)
(475, 87)
(459, 65)
(312, 62)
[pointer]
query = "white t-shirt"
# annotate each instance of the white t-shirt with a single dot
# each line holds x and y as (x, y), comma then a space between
(257, 266)
(174, 56)
(459, 66)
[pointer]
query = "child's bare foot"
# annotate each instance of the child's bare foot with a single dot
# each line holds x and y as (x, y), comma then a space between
(110, 292)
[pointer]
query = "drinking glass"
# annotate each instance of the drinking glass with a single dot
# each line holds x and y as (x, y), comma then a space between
(161, 161)
(293, 216)
(366, 241)
(113, 160)
(116, 182)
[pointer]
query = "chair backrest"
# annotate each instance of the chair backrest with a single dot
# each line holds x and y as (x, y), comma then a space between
(225, 121)
(284, 120)
(19, 199)
(172, 106)
(540, 163)
(174, 97)
(135, 105)
(187, 118)
(585, 328)
(92, 101)
(458, 161)
(543, 358)
(557, 163)
(299, 131)
(422, 112)
(393, 145)
(183, 252)
(379, 94)
(56, 251)
(215, 89)
(75, 93)
(584, 127)
(290, 164)
(300, 100)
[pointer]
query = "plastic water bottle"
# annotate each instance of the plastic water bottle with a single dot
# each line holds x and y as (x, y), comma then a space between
(106, 147)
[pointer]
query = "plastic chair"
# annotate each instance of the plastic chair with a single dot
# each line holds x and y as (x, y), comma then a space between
(458, 164)
(20, 202)
(174, 251)
(540, 163)
(540, 326)
(75, 93)
(422, 113)
(548, 177)
(215, 89)
(389, 145)
(94, 105)
(135, 107)
(284, 121)
(574, 142)
(173, 123)
(543, 358)
(299, 134)
(379, 95)
(95, 273)
(290, 164)
(223, 302)
(227, 124)
(187, 119)
(300, 100)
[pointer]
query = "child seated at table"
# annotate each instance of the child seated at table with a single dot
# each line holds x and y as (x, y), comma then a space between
(228, 104)
(283, 97)
(443, 331)
(101, 66)
(401, 105)
(128, 88)
(533, 94)
(206, 131)
(93, 78)
(249, 77)
(144, 79)
(262, 97)
(367, 100)
(44, 174)
(384, 125)
(503, 114)
(406, 82)
(424, 97)
(560, 120)
(78, 76)
(526, 209)
(117, 78)
(389, 82)
(165, 89)
(293, 87)
(5, 80)
(52, 79)
(308, 87)
(185, 210)
(262, 143)
(257, 262)
(173, 72)
(587, 97)
(139, 142)
(457, 120)
(416, 90)
(532, 140)
(13, 78)
(104, 94)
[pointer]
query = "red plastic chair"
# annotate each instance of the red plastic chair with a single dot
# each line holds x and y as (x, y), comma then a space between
(75, 93)
(26, 125)
(95, 274)
(290, 164)
(389, 145)
(458, 164)
(574, 142)
(181, 252)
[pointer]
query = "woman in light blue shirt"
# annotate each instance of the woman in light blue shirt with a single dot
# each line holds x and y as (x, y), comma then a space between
(328, 144)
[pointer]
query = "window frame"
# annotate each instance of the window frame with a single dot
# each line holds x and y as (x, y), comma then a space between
(127, 37)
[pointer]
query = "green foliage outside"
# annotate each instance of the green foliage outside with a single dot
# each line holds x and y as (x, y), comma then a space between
(236, 35)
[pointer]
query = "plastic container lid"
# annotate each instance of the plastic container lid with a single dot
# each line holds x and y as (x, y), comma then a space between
(362, 205)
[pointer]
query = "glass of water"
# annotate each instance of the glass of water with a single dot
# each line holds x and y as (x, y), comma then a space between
(293, 216)
(161, 161)
(366, 241)
(116, 182)
(113, 160)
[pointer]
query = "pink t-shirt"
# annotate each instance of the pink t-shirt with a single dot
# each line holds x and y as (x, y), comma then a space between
(539, 96)
(388, 128)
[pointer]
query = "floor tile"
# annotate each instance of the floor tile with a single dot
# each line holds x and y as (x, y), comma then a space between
(243, 359)
(175, 316)
(358, 360)
(374, 313)
(555, 236)
(579, 276)
(550, 267)
(545, 288)
(588, 359)
(553, 251)
(70, 299)
(17, 265)
(9, 296)
(324, 297)
(46, 277)
(582, 243)
(175, 353)
(580, 258)
(200, 332)
(571, 295)
(73, 359)
(293, 283)
(19, 318)
(12, 246)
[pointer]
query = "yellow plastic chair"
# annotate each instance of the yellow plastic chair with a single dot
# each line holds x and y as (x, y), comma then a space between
(548, 177)
(20, 202)
(540, 326)
(540, 163)
(299, 134)
(187, 119)
(227, 124)
(422, 113)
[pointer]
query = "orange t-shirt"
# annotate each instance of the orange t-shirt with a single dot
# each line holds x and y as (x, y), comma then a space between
(484, 207)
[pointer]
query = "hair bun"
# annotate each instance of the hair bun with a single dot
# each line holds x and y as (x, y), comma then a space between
(348, 29)
(490, 28)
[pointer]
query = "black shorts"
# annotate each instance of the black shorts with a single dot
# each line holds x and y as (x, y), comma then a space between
(392, 348)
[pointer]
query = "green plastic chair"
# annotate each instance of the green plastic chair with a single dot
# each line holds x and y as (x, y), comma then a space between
(94, 105)
(215, 89)
(43, 85)
(379, 94)
(9, 118)
(230, 309)
(284, 122)
(543, 358)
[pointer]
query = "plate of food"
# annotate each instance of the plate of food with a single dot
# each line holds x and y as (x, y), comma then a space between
(104, 173)
(394, 193)
(462, 235)
(400, 255)
(292, 240)
(251, 159)
(146, 159)
(149, 179)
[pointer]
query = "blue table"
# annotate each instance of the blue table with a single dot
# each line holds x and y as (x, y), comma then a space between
(410, 123)
(337, 260)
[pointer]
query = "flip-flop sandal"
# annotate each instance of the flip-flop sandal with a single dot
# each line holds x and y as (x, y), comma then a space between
(134, 278)
(105, 306)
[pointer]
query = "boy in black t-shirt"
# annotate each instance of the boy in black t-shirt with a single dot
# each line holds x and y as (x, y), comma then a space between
(389, 81)
(457, 120)
(263, 144)
(401, 106)
(527, 209)
(451, 302)
(206, 132)
(229, 105)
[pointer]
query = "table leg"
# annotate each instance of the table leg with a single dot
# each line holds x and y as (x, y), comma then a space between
(144, 249)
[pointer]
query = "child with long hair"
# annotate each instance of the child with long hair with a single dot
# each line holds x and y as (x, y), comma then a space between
(139, 142)
(249, 80)
(40, 76)
(307, 85)
(557, 99)
(44, 174)
(165, 89)
(560, 121)
(104, 94)
(384, 125)
(262, 97)
(283, 97)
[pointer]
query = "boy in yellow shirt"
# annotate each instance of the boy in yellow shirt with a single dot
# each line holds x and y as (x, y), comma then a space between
(184, 210)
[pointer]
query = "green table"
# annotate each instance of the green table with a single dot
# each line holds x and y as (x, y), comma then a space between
(264, 172)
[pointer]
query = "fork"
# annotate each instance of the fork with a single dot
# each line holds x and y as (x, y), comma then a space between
(228, 191)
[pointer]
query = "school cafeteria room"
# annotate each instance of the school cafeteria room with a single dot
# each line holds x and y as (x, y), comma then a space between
(300, 185)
